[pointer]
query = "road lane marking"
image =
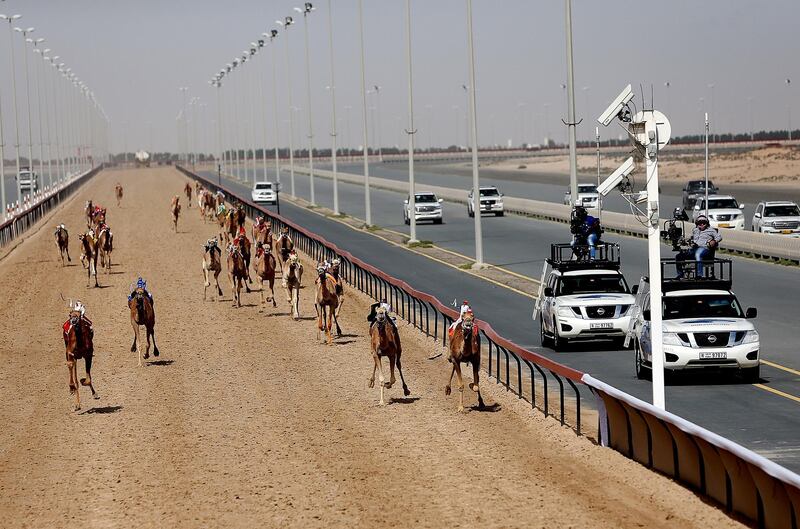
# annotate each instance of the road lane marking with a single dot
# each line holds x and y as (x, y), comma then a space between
(777, 392)
(783, 368)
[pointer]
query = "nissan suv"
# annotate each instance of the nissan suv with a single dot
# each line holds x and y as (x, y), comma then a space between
(427, 207)
(723, 211)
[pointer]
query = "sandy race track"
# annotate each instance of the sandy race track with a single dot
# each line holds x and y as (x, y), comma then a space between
(247, 421)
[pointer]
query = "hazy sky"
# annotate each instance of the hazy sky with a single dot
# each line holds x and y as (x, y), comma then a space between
(135, 55)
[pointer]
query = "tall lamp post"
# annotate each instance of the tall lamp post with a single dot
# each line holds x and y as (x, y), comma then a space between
(789, 106)
(308, 8)
(272, 34)
(377, 90)
(364, 119)
(412, 211)
(25, 40)
(573, 154)
(476, 189)
(333, 113)
(37, 69)
(10, 19)
(286, 22)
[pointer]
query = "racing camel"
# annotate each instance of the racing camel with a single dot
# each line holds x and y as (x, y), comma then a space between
(237, 273)
(335, 271)
(465, 347)
(104, 246)
(175, 209)
(292, 281)
(211, 263)
(385, 341)
(78, 334)
(264, 265)
(140, 302)
(326, 303)
(89, 212)
(98, 217)
(62, 240)
(89, 256)
(222, 215)
(285, 245)
(235, 221)
(118, 193)
(262, 232)
(188, 190)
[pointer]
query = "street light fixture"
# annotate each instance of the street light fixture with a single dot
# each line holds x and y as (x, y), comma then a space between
(308, 8)
(272, 34)
(286, 22)
(364, 117)
(412, 206)
(333, 113)
(10, 20)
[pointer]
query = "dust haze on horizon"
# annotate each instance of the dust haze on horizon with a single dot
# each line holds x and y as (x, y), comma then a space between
(135, 55)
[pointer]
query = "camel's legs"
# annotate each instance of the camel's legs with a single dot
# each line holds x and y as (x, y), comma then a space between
(261, 291)
(406, 391)
(88, 380)
(136, 346)
(66, 249)
(147, 339)
(74, 376)
(391, 372)
(457, 366)
(476, 381)
(73, 384)
(206, 283)
(376, 360)
(328, 323)
(216, 278)
(450, 381)
(317, 309)
(272, 291)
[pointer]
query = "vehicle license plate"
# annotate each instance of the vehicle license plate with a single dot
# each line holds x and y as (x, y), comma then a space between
(601, 326)
(724, 225)
(714, 356)
(786, 231)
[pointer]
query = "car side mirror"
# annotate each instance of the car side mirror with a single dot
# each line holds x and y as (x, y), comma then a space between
(405, 201)
(548, 292)
(751, 313)
(741, 206)
(635, 290)
(646, 314)
(757, 215)
(441, 200)
(697, 207)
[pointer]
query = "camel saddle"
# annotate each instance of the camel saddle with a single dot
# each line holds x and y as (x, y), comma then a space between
(451, 331)
(68, 325)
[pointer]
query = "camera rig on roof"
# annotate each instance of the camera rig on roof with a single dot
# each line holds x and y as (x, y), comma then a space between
(716, 274)
(563, 256)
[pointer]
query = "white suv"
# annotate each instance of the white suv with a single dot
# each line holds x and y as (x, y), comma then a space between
(704, 327)
(778, 217)
(582, 300)
(427, 207)
(587, 196)
(723, 211)
(264, 192)
(28, 180)
(491, 202)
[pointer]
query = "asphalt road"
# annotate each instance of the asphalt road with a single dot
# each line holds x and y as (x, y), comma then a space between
(757, 418)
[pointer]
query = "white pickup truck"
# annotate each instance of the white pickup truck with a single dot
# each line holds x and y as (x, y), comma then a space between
(704, 326)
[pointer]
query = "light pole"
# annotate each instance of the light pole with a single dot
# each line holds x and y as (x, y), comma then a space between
(36, 71)
(272, 34)
(585, 90)
(377, 90)
(288, 21)
(476, 188)
(750, 111)
(57, 119)
(349, 138)
(412, 211)
(367, 205)
(184, 90)
(10, 20)
(713, 114)
(308, 8)
(573, 154)
(789, 106)
(669, 99)
(333, 113)
(263, 113)
(26, 40)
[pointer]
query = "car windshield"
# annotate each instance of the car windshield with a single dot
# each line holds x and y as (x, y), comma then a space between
(587, 188)
(697, 185)
(711, 306)
(782, 211)
(427, 197)
(489, 192)
(722, 203)
(264, 186)
(590, 284)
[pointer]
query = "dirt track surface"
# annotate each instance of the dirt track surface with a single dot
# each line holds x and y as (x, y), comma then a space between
(248, 421)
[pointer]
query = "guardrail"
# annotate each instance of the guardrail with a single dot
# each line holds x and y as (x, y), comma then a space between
(737, 478)
(23, 220)
(735, 241)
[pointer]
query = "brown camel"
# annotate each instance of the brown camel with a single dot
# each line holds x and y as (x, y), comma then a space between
(285, 245)
(466, 350)
(385, 342)
(104, 247)
(78, 336)
(142, 313)
(237, 273)
(188, 190)
(211, 263)
(98, 217)
(222, 217)
(175, 209)
(89, 256)
(89, 212)
(292, 281)
(264, 265)
(62, 240)
(335, 271)
(326, 303)
(262, 232)
(118, 193)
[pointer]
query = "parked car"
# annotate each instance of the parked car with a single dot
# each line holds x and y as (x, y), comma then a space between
(264, 192)
(704, 327)
(491, 202)
(28, 180)
(777, 217)
(427, 207)
(587, 195)
(696, 189)
(723, 211)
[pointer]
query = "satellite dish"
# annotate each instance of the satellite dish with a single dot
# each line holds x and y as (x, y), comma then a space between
(646, 122)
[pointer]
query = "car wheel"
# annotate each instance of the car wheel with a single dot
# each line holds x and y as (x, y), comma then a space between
(642, 373)
(500, 214)
(545, 340)
(751, 375)
(470, 212)
(406, 220)
(437, 221)
(558, 342)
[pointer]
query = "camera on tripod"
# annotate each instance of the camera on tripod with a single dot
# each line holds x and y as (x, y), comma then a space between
(673, 229)
(576, 220)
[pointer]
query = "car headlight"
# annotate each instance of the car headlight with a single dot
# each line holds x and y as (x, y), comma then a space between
(768, 223)
(751, 337)
(567, 312)
(671, 338)
(624, 309)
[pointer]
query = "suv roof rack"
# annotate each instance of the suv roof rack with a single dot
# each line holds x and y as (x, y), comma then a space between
(564, 257)
(717, 274)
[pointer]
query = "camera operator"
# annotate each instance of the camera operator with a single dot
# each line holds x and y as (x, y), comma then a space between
(585, 230)
(704, 242)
